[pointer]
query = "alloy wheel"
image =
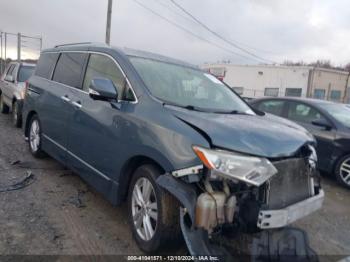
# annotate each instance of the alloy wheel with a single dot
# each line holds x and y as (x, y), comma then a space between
(34, 135)
(345, 171)
(144, 208)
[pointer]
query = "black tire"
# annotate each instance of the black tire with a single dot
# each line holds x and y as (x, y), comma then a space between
(3, 107)
(341, 171)
(16, 115)
(167, 232)
(36, 151)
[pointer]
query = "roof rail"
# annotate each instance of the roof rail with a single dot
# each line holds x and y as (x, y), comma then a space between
(72, 44)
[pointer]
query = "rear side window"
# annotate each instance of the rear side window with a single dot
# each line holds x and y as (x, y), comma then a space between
(46, 65)
(25, 72)
(69, 69)
(272, 107)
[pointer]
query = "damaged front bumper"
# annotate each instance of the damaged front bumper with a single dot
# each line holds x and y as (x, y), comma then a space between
(272, 221)
(283, 217)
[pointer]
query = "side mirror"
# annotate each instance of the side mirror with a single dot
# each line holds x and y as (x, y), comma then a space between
(102, 89)
(9, 78)
(322, 123)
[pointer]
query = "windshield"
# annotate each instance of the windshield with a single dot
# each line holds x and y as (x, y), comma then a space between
(187, 87)
(339, 112)
(25, 72)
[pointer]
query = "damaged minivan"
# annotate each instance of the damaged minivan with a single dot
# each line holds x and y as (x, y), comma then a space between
(189, 156)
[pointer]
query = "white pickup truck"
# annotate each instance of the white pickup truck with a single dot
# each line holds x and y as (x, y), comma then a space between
(12, 89)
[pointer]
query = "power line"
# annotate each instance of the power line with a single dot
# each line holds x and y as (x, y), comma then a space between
(190, 32)
(218, 35)
(161, 2)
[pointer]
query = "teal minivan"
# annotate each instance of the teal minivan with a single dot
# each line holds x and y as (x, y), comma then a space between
(189, 156)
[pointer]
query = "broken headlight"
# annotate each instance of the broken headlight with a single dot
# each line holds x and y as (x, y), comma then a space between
(252, 170)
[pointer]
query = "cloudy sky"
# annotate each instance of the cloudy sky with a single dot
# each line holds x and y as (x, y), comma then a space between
(276, 30)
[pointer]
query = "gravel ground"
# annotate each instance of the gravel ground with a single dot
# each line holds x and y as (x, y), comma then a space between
(59, 214)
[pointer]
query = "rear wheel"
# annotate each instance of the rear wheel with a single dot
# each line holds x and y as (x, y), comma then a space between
(343, 171)
(35, 137)
(3, 107)
(16, 115)
(153, 212)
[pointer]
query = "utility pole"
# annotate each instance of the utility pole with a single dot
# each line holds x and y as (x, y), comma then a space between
(19, 47)
(109, 18)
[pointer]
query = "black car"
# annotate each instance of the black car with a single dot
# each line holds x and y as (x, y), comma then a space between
(329, 122)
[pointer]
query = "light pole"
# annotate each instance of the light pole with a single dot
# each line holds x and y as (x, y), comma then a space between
(109, 18)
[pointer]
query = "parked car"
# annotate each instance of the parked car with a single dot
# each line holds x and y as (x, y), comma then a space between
(12, 88)
(185, 152)
(330, 124)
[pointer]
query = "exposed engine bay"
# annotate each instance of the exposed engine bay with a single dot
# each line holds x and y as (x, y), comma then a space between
(219, 201)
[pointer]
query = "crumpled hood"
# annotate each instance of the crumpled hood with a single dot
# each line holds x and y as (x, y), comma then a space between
(267, 136)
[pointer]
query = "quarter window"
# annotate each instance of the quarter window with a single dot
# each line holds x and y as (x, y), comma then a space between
(303, 113)
(69, 69)
(46, 65)
(101, 66)
(272, 107)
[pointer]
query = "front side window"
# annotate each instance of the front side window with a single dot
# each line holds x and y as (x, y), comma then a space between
(300, 112)
(340, 112)
(25, 72)
(69, 69)
(271, 91)
(272, 107)
(101, 66)
(46, 65)
(187, 87)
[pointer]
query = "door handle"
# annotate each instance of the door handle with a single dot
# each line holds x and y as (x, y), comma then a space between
(77, 104)
(65, 98)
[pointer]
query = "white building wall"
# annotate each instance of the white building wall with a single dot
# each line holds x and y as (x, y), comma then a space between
(254, 78)
(329, 81)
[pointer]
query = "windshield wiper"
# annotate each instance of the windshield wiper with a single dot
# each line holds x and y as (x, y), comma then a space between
(189, 107)
(233, 112)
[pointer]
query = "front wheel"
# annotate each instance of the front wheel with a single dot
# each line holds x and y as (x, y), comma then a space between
(343, 171)
(153, 212)
(35, 137)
